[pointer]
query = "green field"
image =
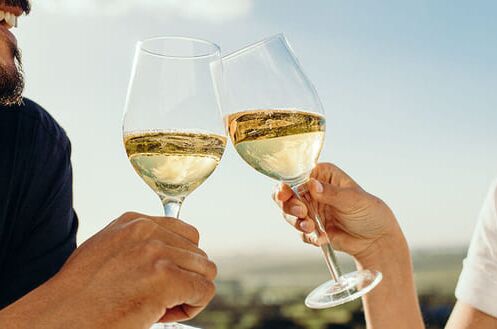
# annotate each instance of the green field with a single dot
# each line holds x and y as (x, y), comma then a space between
(264, 291)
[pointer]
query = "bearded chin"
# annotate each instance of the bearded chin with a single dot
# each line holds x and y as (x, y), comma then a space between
(12, 82)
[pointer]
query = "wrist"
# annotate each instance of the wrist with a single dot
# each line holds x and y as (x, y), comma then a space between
(390, 255)
(19, 315)
(41, 308)
(387, 252)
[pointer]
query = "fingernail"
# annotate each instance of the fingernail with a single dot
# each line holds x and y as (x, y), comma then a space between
(276, 192)
(318, 187)
(296, 211)
(305, 226)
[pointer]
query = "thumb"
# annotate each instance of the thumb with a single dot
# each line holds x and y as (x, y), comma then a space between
(336, 197)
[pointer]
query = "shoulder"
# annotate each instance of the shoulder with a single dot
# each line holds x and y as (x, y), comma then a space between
(29, 118)
(493, 191)
(490, 206)
(486, 229)
(477, 285)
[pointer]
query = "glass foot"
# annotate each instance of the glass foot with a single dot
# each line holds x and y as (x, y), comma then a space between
(171, 326)
(349, 287)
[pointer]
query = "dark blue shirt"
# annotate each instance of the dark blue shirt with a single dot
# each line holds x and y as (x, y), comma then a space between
(37, 221)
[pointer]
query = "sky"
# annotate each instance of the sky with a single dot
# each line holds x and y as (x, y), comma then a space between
(408, 89)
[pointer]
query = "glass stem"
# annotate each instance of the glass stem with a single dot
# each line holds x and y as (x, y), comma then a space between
(172, 207)
(319, 235)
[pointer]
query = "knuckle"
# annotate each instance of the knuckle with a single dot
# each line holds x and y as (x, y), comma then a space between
(152, 248)
(210, 289)
(211, 269)
(140, 228)
(129, 215)
(205, 287)
(165, 270)
(190, 231)
(330, 165)
(201, 252)
(195, 234)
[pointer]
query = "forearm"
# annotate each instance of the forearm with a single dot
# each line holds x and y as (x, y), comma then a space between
(393, 303)
(43, 308)
(465, 316)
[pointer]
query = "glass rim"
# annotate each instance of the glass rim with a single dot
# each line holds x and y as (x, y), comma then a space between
(216, 50)
(236, 53)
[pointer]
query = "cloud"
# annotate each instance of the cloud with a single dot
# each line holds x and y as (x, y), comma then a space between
(207, 10)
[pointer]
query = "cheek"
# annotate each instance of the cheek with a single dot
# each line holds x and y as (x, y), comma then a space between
(6, 57)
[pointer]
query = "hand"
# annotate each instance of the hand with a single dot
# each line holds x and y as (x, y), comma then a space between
(135, 272)
(363, 226)
(354, 219)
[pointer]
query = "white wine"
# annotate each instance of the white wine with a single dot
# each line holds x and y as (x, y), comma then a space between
(282, 144)
(174, 163)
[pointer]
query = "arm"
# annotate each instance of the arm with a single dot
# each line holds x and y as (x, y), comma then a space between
(465, 316)
(363, 226)
(477, 287)
(137, 271)
(393, 303)
(41, 308)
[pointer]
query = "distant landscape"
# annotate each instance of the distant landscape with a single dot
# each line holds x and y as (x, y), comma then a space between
(264, 291)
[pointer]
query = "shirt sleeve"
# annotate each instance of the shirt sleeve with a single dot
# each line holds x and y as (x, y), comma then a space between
(477, 284)
(38, 224)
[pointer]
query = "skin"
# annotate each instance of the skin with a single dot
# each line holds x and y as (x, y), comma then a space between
(7, 39)
(363, 226)
(465, 316)
(11, 82)
(135, 272)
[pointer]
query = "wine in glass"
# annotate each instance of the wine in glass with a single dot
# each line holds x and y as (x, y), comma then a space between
(276, 123)
(172, 128)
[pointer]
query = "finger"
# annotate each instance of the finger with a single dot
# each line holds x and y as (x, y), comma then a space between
(330, 173)
(309, 239)
(190, 261)
(282, 193)
(181, 313)
(295, 207)
(192, 291)
(306, 225)
(276, 190)
(177, 241)
(292, 220)
(337, 237)
(339, 198)
(172, 224)
(146, 229)
(175, 314)
(179, 227)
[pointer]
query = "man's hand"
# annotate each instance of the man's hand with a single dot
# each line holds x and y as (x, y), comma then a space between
(136, 271)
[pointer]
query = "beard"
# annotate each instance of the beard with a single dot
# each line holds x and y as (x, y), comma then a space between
(12, 81)
(11, 76)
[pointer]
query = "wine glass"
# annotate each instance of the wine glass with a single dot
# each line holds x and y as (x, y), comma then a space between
(172, 127)
(276, 123)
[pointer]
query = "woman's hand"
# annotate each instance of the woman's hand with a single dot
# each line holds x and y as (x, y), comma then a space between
(363, 226)
(354, 219)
